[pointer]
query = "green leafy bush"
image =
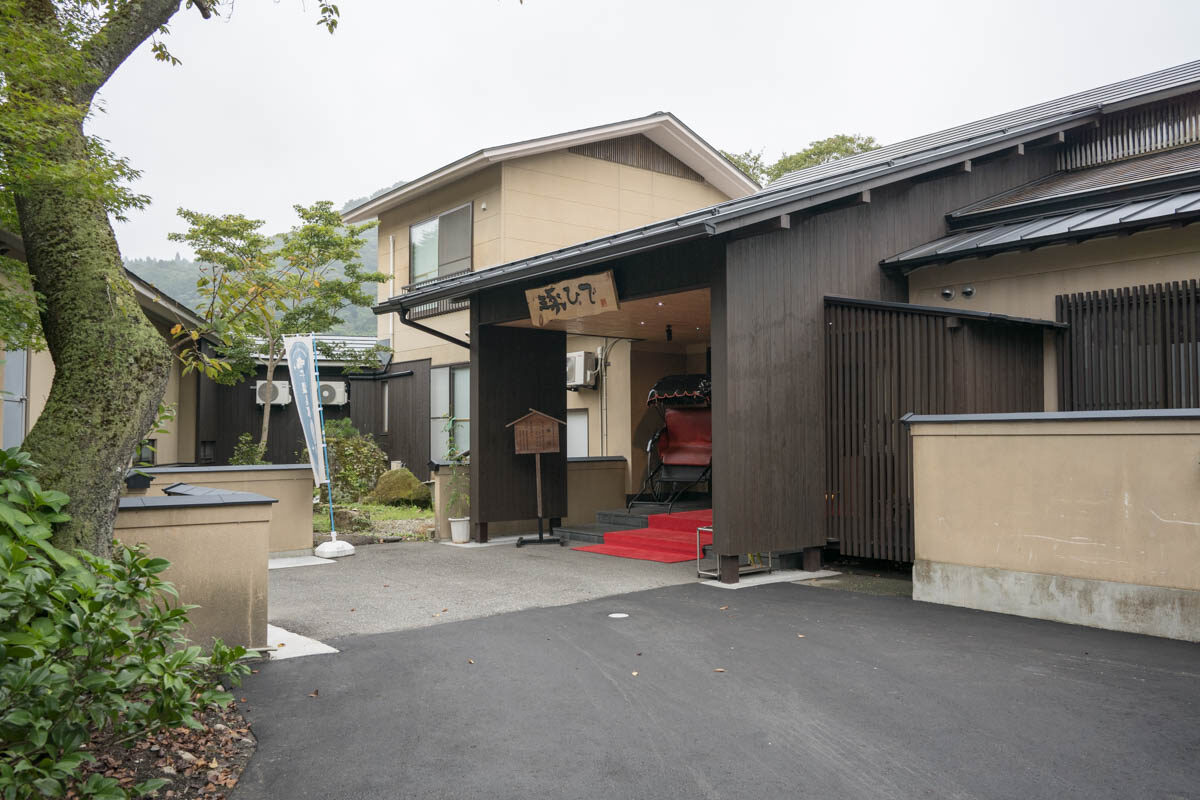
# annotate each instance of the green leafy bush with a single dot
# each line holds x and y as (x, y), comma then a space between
(248, 451)
(399, 487)
(90, 650)
(355, 462)
(340, 429)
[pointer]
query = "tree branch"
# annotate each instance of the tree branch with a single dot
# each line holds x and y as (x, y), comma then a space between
(131, 23)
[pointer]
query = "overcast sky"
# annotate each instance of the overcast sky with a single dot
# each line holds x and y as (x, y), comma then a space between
(268, 110)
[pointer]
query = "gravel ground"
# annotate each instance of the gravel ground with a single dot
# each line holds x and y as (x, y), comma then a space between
(393, 587)
(391, 530)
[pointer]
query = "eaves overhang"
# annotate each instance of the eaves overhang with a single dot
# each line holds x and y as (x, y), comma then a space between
(724, 217)
(548, 264)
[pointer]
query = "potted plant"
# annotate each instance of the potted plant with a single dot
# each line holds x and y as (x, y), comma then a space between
(458, 490)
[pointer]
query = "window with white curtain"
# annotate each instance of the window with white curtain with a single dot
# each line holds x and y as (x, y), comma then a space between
(449, 399)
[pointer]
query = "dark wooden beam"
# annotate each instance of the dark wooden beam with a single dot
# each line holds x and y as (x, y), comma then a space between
(812, 559)
(727, 569)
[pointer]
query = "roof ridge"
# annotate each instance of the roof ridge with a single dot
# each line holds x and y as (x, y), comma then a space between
(1098, 96)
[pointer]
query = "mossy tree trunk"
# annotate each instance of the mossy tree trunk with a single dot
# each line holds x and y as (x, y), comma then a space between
(111, 365)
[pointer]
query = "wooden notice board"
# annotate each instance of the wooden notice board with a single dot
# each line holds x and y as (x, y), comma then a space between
(536, 433)
(578, 297)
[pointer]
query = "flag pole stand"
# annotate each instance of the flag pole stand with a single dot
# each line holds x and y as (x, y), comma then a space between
(335, 547)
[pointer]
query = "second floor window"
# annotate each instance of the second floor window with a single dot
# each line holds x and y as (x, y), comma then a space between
(440, 246)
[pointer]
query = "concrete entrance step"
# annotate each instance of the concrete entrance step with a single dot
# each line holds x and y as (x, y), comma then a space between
(587, 533)
(638, 515)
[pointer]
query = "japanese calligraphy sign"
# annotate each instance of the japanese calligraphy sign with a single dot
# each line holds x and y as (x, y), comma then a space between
(578, 297)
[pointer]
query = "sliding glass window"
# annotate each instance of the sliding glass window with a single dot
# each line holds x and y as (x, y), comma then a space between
(440, 246)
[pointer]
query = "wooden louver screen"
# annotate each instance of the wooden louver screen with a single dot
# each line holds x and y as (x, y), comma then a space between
(882, 363)
(1131, 348)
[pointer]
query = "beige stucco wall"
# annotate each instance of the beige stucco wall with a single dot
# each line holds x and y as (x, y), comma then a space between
(482, 190)
(1098, 500)
(608, 413)
(440, 481)
(1025, 284)
(557, 199)
(292, 485)
(591, 486)
(218, 558)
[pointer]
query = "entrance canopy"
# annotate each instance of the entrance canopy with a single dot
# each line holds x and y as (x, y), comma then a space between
(685, 314)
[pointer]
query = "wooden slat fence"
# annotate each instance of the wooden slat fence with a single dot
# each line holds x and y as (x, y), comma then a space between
(882, 363)
(1130, 348)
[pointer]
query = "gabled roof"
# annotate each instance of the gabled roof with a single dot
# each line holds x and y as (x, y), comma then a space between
(827, 183)
(661, 127)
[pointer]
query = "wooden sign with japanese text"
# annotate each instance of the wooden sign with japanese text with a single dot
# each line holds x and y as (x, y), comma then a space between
(536, 433)
(578, 297)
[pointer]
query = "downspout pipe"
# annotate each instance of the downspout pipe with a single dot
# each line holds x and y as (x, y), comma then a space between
(404, 320)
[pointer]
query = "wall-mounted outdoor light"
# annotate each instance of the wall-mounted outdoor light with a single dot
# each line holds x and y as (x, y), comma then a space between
(948, 293)
(968, 291)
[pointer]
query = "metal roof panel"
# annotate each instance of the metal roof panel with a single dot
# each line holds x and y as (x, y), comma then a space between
(1097, 98)
(1067, 225)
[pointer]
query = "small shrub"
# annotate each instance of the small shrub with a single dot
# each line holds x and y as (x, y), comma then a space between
(90, 650)
(248, 451)
(399, 487)
(355, 463)
(340, 429)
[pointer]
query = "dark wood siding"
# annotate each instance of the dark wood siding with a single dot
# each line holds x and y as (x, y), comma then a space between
(408, 417)
(884, 363)
(1135, 347)
(512, 371)
(637, 151)
(226, 412)
(771, 476)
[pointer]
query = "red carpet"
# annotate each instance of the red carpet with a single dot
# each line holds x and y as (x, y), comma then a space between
(669, 539)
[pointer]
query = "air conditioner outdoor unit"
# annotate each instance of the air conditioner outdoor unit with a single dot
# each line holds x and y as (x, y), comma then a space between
(281, 393)
(581, 370)
(333, 393)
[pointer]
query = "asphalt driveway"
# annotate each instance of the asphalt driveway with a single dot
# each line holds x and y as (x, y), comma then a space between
(823, 694)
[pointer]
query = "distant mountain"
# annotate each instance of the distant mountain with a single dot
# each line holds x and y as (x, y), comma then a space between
(177, 278)
(358, 201)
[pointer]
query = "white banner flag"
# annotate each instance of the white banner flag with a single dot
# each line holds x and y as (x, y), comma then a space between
(306, 394)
